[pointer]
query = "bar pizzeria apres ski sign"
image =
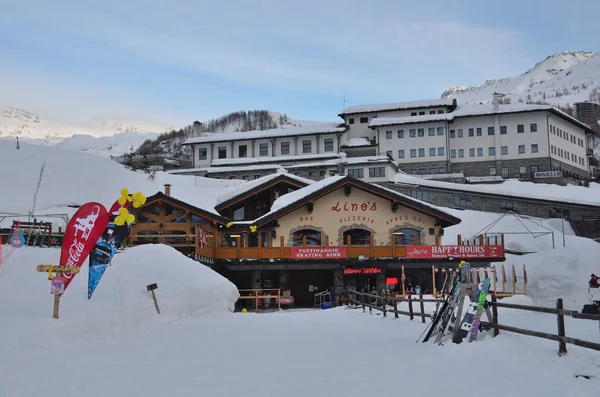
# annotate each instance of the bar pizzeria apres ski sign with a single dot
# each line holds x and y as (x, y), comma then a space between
(455, 251)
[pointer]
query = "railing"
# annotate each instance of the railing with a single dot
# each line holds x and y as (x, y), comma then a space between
(259, 299)
(366, 301)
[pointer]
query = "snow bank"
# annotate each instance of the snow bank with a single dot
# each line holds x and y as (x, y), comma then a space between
(120, 303)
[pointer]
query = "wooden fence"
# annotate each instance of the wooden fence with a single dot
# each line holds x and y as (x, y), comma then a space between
(366, 301)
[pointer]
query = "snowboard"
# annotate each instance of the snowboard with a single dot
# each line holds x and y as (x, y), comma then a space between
(467, 322)
(480, 308)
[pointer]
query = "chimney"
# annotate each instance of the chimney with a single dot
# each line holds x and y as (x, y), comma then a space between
(495, 101)
(196, 129)
(168, 189)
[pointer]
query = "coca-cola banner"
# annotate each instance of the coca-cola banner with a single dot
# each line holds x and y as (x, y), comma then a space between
(83, 231)
(454, 251)
(317, 252)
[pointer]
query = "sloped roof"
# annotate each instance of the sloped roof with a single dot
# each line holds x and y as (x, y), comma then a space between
(200, 211)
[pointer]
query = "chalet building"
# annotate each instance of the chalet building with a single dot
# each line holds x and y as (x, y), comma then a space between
(283, 231)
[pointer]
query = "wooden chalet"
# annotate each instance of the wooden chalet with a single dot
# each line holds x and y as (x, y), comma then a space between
(301, 236)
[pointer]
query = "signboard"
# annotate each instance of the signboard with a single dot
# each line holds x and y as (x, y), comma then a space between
(318, 252)
(391, 280)
(364, 270)
(455, 251)
(58, 286)
(547, 174)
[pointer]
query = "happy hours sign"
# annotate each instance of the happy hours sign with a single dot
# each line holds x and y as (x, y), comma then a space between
(318, 252)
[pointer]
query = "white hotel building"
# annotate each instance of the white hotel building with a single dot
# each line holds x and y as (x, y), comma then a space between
(421, 137)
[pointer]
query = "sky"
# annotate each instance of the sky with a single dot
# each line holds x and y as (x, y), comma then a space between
(179, 61)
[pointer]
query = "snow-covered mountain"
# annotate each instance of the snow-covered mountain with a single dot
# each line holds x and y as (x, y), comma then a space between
(560, 79)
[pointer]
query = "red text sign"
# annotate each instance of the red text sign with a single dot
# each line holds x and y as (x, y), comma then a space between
(391, 280)
(364, 270)
(455, 251)
(318, 252)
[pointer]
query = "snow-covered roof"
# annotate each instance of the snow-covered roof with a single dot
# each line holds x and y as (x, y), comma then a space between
(357, 142)
(471, 110)
(238, 190)
(346, 161)
(268, 159)
(380, 107)
(517, 189)
(324, 128)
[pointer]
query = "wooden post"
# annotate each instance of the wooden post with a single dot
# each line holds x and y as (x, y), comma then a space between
(458, 240)
(238, 246)
(348, 243)
(395, 308)
(279, 296)
(371, 246)
(495, 277)
(362, 299)
(383, 306)
(502, 239)
(151, 288)
(304, 240)
(281, 246)
(326, 240)
(403, 277)
(495, 314)
(514, 276)
(562, 346)
(260, 246)
(496, 239)
(524, 280)
(410, 307)
(503, 279)
(433, 278)
(56, 306)
(422, 307)
(393, 246)
(481, 239)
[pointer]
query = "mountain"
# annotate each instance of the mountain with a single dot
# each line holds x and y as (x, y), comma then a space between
(561, 80)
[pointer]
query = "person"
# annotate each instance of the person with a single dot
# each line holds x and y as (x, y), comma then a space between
(417, 289)
(593, 281)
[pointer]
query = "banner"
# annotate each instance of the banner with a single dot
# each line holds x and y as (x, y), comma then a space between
(82, 233)
(317, 252)
(454, 251)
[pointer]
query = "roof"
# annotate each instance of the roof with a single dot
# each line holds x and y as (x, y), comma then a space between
(358, 142)
(269, 159)
(170, 199)
(322, 128)
(236, 193)
(476, 110)
(346, 161)
(381, 107)
(291, 201)
(515, 189)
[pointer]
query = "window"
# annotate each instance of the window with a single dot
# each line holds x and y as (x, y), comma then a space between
(245, 177)
(357, 237)
(493, 171)
(440, 131)
(502, 130)
(479, 132)
(238, 214)
(432, 171)
(441, 151)
(509, 205)
(222, 152)
(376, 172)
(407, 236)
(388, 135)
(264, 149)
(441, 111)
(313, 237)
(534, 148)
(412, 133)
(520, 128)
(492, 151)
(321, 173)
(504, 150)
(461, 153)
(490, 130)
(521, 149)
(462, 201)
(421, 113)
(533, 127)
(413, 114)
(460, 133)
(285, 147)
(202, 153)
(400, 133)
(523, 170)
(432, 151)
(504, 172)
(421, 152)
(419, 195)
(452, 134)
(441, 170)
(401, 154)
(256, 176)
(431, 131)
(453, 153)
(329, 143)
(389, 154)
(471, 131)
(306, 146)
(472, 152)
(432, 112)
(413, 152)
(364, 120)
(356, 172)
(479, 152)
(351, 121)
(242, 151)
(534, 168)
(421, 132)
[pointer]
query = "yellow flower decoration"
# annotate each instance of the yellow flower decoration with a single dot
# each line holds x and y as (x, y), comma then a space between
(124, 216)
(138, 199)
(124, 197)
(229, 225)
(253, 229)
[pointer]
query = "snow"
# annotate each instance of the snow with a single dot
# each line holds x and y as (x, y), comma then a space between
(317, 128)
(384, 121)
(212, 170)
(353, 142)
(344, 160)
(575, 71)
(255, 160)
(512, 187)
(380, 107)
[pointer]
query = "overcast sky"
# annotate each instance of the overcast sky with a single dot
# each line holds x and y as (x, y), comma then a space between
(178, 61)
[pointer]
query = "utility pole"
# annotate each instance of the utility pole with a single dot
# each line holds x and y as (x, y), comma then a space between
(344, 103)
(18, 143)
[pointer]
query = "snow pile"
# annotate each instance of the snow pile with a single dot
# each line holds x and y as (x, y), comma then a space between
(120, 303)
